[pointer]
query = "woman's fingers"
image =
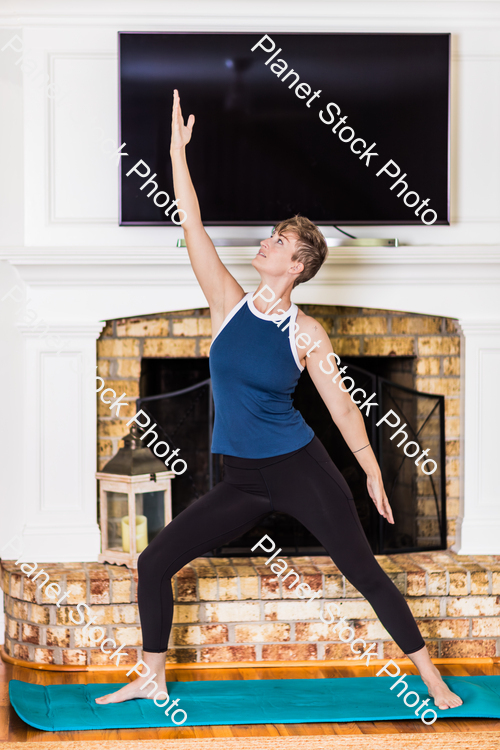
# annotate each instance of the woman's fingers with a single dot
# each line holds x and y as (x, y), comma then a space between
(387, 509)
(381, 502)
(176, 106)
(383, 506)
(181, 134)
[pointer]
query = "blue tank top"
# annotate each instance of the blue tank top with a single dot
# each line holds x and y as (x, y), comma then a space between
(254, 368)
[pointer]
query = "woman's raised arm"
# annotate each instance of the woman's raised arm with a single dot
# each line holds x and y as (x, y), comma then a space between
(219, 287)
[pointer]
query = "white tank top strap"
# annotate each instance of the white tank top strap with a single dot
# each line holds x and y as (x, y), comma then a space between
(273, 316)
(292, 333)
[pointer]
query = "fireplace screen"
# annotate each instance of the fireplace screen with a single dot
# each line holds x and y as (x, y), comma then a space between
(176, 393)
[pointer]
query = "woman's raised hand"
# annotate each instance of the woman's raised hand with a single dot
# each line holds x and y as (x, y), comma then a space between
(181, 134)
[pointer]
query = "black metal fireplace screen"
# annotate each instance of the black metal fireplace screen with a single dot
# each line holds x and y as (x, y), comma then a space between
(184, 418)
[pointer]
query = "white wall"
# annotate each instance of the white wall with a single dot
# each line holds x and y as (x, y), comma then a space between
(11, 146)
(71, 185)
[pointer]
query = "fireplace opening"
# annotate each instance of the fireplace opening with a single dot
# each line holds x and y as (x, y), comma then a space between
(184, 413)
(184, 420)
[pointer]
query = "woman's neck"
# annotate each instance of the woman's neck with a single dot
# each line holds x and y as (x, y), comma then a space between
(268, 299)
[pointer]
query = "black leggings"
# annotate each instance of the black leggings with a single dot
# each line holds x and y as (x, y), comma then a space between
(305, 484)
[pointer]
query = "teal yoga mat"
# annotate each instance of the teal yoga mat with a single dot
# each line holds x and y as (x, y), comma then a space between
(57, 708)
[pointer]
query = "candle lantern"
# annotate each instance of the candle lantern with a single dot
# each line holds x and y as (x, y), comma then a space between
(135, 501)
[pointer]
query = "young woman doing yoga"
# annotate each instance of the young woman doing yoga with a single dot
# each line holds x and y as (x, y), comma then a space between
(272, 459)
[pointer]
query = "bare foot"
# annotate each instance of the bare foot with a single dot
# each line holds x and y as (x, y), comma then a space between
(439, 690)
(133, 690)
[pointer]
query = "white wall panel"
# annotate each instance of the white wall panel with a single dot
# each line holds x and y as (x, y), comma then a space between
(480, 527)
(58, 457)
(61, 432)
(11, 141)
(478, 165)
(488, 445)
(83, 175)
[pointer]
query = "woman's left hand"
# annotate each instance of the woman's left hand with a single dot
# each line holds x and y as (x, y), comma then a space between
(377, 493)
(181, 134)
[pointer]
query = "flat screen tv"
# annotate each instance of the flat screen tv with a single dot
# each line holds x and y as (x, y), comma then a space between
(372, 147)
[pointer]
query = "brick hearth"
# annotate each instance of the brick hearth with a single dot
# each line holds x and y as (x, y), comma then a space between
(234, 610)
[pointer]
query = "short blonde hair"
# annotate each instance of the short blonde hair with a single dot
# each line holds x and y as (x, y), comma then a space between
(311, 250)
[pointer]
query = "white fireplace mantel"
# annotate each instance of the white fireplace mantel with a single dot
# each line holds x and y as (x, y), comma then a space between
(460, 282)
(74, 290)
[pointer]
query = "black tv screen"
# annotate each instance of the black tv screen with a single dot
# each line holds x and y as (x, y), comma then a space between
(372, 147)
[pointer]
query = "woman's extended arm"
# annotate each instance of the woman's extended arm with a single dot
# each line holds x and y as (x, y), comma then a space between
(344, 412)
(219, 287)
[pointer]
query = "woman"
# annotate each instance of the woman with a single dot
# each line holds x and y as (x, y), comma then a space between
(272, 460)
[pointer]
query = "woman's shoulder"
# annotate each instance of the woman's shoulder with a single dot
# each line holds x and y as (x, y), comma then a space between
(308, 324)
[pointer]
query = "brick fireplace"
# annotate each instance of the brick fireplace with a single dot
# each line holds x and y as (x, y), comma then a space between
(432, 342)
(54, 510)
(74, 292)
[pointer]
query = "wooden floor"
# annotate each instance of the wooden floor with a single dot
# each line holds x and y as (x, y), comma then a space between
(13, 729)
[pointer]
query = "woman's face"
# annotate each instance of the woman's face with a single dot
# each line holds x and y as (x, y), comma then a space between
(275, 255)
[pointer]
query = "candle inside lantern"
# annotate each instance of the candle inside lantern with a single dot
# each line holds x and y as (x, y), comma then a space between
(141, 533)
